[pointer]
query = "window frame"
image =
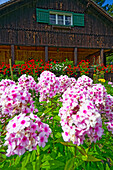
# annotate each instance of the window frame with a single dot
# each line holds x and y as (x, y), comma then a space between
(56, 13)
(77, 19)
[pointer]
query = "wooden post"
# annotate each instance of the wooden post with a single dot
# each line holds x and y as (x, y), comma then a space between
(11, 68)
(46, 54)
(75, 56)
(102, 56)
(105, 59)
(12, 54)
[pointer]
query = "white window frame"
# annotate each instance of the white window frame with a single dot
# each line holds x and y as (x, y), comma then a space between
(64, 14)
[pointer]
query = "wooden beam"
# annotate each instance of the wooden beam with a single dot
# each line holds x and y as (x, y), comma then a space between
(102, 56)
(75, 56)
(46, 54)
(104, 59)
(13, 54)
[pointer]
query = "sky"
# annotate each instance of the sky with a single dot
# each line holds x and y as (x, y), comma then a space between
(107, 1)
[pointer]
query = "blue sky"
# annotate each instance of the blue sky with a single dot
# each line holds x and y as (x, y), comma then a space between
(107, 1)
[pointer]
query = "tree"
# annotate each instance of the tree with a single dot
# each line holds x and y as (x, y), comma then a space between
(100, 2)
(107, 7)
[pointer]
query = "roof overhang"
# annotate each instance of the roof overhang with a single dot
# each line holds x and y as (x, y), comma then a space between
(100, 9)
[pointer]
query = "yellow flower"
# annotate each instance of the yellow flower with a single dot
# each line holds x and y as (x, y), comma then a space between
(102, 80)
(94, 74)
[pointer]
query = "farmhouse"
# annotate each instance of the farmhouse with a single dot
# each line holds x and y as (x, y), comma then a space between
(52, 29)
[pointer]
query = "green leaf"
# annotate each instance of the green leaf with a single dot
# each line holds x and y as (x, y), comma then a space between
(26, 160)
(45, 165)
(60, 148)
(47, 111)
(78, 163)
(4, 156)
(68, 144)
(2, 165)
(58, 140)
(56, 164)
(46, 147)
(90, 158)
(34, 165)
(88, 166)
(58, 135)
(33, 156)
(17, 160)
(100, 165)
(57, 118)
(107, 167)
(2, 150)
(54, 154)
(81, 150)
(38, 161)
(69, 164)
(46, 158)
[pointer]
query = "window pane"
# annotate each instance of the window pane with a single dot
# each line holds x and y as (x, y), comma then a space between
(67, 20)
(52, 18)
(60, 19)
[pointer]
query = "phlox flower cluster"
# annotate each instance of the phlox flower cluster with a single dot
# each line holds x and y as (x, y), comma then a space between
(98, 95)
(5, 83)
(85, 89)
(16, 99)
(109, 112)
(25, 133)
(80, 113)
(65, 82)
(28, 82)
(48, 85)
(78, 118)
(84, 81)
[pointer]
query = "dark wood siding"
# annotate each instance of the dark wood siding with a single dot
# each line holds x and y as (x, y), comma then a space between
(18, 26)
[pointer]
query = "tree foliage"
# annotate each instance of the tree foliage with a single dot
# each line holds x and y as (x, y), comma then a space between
(107, 7)
(100, 2)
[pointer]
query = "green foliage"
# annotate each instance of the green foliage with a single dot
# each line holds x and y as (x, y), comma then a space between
(108, 88)
(109, 59)
(59, 154)
(100, 2)
(19, 62)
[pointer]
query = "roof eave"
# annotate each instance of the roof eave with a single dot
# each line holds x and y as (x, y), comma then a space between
(101, 10)
(8, 3)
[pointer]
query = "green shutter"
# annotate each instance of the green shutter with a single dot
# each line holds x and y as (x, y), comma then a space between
(78, 19)
(42, 15)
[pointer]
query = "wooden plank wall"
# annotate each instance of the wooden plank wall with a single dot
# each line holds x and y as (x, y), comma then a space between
(5, 54)
(27, 53)
(60, 54)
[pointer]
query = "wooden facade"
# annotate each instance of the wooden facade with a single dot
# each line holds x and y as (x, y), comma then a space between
(23, 38)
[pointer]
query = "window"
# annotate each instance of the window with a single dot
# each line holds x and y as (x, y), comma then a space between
(52, 18)
(60, 19)
(67, 20)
